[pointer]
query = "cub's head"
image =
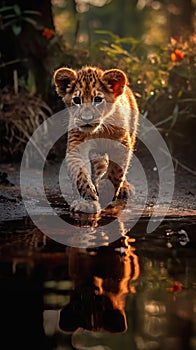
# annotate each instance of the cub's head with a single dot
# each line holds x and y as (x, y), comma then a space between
(90, 92)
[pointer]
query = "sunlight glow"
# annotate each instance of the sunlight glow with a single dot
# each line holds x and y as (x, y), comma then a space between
(83, 5)
(156, 5)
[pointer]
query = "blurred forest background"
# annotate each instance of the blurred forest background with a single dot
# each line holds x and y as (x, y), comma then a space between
(153, 41)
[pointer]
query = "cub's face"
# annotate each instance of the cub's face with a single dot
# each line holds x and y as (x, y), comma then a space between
(91, 93)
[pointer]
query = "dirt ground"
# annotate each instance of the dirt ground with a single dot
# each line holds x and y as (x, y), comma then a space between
(183, 203)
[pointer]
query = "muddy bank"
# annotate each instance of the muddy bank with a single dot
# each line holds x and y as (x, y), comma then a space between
(143, 202)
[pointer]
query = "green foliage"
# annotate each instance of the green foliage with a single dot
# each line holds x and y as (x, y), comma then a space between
(17, 25)
(28, 84)
(163, 78)
(13, 17)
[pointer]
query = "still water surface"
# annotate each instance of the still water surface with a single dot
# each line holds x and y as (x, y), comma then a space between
(136, 293)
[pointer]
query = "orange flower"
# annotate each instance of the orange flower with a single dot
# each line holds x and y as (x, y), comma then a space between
(173, 57)
(176, 55)
(176, 287)
(48, 33)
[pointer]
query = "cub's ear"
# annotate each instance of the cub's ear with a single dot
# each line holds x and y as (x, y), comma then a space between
(116, 80)
(63, 78)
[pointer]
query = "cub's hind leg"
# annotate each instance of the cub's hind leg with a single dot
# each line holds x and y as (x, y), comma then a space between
(122, 188)
(126, 190)
(99, 167)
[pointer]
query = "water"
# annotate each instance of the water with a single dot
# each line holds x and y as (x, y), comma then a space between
(135, 293)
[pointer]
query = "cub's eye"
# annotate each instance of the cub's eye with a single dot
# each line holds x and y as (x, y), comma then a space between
(98, 99)
(77, 100)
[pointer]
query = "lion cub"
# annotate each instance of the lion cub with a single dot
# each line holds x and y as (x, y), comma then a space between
(102, 132)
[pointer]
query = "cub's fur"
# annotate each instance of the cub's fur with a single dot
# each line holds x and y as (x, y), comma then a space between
(102, 131)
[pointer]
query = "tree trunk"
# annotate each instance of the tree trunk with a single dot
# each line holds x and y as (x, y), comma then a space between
(30, 46)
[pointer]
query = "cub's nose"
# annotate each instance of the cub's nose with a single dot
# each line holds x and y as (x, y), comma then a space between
(87, 118)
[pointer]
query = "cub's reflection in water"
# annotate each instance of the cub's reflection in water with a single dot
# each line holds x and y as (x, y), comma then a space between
(102, 278)
(87, 230)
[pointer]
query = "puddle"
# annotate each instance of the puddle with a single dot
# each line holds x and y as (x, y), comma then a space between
(137, 292)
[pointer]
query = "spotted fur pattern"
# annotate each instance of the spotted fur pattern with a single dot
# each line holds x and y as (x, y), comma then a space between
(102, 131)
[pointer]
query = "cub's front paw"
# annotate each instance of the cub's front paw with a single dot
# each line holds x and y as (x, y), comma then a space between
(84, 206)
